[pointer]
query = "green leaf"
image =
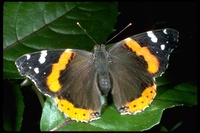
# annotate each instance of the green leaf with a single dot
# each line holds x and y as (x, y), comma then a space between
(34, 26)
(13, 106)
(168, 96)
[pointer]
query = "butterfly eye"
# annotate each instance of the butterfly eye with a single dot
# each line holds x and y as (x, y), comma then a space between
(102, 46)
(97, 48)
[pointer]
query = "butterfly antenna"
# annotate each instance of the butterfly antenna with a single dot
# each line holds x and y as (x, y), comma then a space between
(86, 32)
(118, 33)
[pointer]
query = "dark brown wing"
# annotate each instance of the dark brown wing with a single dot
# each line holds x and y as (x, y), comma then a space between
(132, 84)
(135, 63)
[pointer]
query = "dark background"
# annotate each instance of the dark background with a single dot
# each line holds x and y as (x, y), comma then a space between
(147, 16)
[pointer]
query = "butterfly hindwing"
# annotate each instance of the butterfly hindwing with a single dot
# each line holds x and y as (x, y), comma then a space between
(130, 80)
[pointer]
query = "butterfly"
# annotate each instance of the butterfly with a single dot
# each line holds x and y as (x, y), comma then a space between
(76, 78)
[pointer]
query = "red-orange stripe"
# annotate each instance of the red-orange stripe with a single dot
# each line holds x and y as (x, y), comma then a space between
(52, 80)
(152, 61)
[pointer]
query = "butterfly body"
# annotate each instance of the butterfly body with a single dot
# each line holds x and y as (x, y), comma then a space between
(76, 79)
(102, 62)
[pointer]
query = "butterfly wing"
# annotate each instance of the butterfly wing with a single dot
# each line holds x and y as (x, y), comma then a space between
(69, 77)
(160, 44)
(136, 62)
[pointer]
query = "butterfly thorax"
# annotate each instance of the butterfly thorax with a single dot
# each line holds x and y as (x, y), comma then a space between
(101, 62)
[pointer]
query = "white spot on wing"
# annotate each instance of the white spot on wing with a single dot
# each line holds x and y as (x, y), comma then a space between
(68, 50)
(36, 70)
(162, 47)
(152, 36)
(128, 39)
(28, 56)
(165, 31)
(43, 55)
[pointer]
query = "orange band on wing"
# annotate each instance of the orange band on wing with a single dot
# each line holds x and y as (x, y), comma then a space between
(52, 79)
(74, 113)
(152, 61)
(142, 102)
